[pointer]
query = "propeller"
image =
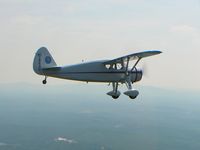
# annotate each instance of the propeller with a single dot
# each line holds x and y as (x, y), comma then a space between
(145, 70)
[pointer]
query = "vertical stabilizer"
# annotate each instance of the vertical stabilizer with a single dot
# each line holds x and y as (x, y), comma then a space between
(43, 60)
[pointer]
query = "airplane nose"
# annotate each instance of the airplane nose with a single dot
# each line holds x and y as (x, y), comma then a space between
(140, 71)
(139, 74)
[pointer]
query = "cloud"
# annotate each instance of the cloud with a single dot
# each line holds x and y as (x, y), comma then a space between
(26, 20)
(65, 140)
(118, 126)
(102, 148)
(184, 29)
(3, 144)
(87, 111)
(189, 34)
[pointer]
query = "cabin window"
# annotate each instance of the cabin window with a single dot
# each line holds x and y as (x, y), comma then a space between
(107, 66)
(119, 66)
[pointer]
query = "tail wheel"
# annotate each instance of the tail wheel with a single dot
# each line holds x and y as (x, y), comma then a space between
(45, 80)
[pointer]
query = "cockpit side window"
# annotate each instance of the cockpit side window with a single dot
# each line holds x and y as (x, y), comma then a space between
(117, 66)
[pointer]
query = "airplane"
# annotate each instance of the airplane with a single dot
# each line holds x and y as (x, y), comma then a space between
(108, 71)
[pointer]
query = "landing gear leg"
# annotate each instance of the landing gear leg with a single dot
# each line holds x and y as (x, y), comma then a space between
(45, 80)
(128, 84)
(132, 93)
(115, 87)
(114, 93)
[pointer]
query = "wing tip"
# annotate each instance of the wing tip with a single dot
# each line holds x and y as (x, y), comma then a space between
(155, 51)
(158, 51)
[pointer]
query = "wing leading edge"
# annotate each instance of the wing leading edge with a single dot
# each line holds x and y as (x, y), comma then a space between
(134, 56)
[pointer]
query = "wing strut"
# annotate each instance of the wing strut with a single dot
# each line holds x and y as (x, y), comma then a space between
(127, 66)
(136, 63)
(126, 72)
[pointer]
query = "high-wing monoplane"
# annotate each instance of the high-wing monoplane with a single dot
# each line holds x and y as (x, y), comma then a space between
(111, 71)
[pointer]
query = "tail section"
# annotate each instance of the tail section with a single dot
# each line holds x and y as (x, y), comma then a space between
(43, 60)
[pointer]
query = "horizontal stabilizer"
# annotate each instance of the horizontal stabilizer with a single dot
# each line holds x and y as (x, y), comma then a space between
(52, 69)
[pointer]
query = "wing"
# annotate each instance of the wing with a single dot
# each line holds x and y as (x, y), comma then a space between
(134, 56)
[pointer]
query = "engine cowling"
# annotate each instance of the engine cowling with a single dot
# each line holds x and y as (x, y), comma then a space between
(136, 75)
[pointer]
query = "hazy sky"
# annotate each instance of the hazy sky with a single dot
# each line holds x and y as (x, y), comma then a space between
(102, 29)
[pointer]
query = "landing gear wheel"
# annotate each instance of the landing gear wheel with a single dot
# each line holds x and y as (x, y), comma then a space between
(132, 97)
(115, 97)
(44, 81)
